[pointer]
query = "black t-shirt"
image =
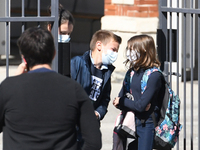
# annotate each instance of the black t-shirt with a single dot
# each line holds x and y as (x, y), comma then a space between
(97, 82)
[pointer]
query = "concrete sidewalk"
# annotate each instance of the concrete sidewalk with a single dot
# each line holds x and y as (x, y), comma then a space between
(107, 124)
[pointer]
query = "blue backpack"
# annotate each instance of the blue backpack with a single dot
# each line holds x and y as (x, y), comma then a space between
(168, 127)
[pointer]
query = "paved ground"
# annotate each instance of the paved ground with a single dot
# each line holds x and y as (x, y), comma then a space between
(108, 122)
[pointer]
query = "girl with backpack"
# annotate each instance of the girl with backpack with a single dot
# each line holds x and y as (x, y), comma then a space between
(141, 55)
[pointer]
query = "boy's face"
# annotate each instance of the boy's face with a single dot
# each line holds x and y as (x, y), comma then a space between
(109, 52)
(112, 45)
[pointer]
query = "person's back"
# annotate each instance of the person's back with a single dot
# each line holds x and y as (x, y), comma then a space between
(40, 110)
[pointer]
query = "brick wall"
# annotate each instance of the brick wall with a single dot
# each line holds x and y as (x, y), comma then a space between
(140, 8)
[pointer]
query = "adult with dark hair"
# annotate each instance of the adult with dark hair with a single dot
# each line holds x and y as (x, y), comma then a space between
(65, 24)
(142, 55)
(41, 108)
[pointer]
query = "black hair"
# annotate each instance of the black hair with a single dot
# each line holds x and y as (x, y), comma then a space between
(37, 46)
(64, 15)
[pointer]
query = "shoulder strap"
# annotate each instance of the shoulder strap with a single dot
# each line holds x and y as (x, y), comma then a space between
(144, 80)
(146, 76)
(127, 80)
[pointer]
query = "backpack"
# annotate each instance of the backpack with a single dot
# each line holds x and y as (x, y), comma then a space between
(168, 126)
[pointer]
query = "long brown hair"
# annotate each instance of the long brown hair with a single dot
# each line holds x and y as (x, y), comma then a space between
(144, 44)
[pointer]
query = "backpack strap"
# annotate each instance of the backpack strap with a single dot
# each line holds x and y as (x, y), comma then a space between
(146, 76)
(144, 80)
(127, 80)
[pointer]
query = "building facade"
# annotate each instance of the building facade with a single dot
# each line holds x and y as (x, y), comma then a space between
(128, 18)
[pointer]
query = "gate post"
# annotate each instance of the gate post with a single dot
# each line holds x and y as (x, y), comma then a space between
(3, 28)
(198, 77)
(54, 31)
(162, 38)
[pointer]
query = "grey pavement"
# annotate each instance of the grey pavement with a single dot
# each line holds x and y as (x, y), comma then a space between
(107, 124)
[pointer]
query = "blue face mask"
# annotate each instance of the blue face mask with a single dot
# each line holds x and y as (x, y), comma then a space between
(63, 38)
(109, 58)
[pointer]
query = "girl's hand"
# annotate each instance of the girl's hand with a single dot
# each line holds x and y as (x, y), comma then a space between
(21, 69)
(148, 107)
(116, 101)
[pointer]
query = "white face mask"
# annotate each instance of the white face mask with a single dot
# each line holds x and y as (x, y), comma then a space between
(109, 58)
(63, 38)
(132, 55)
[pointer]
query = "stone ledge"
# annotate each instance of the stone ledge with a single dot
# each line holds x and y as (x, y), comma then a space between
(129, 24)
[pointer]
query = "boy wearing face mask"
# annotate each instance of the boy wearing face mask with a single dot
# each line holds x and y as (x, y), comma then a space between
(94, 68)
(65, 23)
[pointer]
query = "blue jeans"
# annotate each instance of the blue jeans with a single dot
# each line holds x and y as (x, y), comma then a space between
(145, 135)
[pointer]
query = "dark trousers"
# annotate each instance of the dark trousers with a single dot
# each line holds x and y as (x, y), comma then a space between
(145, 135)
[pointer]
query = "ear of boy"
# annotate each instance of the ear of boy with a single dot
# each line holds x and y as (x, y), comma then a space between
(97, 54)
(99, 45)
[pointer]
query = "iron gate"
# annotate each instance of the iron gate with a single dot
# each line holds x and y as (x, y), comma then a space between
(25, 19)
(179, 50)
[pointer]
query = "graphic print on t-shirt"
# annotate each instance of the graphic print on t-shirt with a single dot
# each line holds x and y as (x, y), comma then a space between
(96, 88)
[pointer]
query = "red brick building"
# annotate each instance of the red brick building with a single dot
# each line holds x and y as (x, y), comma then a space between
(138, 8)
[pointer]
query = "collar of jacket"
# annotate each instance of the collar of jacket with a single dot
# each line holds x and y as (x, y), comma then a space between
(108, 72)
(86, 57)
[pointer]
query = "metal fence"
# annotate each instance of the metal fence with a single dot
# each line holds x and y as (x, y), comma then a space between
(24, 19)
(179, 49)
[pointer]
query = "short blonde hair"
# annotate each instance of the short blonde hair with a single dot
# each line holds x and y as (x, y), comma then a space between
(104, 36)
(144, 44)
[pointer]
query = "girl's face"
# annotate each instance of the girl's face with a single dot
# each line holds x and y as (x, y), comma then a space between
(132, 55)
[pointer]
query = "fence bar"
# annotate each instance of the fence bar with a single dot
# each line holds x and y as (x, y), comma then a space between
(54, 13)
(170, 47)
(184, 68)
(163, 26)
(23, 9)
(191, 77)
(177, 51)
(184, 77)
(180, 10)
(38, 8)
(23, 15)
(198, 78)
(7, 38)
(27, 19)
(38, 11)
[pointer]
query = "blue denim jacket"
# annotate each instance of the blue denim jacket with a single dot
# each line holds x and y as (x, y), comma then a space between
(80, 71)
